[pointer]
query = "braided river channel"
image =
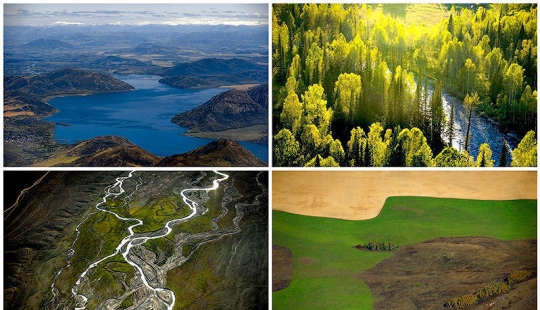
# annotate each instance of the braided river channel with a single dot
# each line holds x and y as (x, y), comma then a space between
(148, 277)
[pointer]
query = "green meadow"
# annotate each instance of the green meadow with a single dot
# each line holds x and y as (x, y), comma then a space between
(327, 267)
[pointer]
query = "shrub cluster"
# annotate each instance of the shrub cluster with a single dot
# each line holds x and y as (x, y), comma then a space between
(518, 276)
(378, 246)
(460, 302)
(483, 293)
(489, 290)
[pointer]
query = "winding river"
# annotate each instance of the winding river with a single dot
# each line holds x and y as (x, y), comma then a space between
(164, 297)
(482, 130)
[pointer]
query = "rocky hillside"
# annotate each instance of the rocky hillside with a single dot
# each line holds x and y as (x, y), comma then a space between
(64, 82)
(259, 94)
(222, 153)
(227, 110)
(113, 151)
(104, 151)
(110, 151)
(121, 156)
(97, 144)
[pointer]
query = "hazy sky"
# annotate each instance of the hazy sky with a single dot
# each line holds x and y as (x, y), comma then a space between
(134, 14)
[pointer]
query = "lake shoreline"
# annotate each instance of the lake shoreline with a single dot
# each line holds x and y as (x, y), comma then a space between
(142, 117)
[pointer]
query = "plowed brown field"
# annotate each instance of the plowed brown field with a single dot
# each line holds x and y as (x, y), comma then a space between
(359, 195)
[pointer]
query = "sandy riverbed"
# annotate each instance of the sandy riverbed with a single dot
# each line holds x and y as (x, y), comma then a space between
(358, 195)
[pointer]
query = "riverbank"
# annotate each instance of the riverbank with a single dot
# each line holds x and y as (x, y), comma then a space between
(482, 130)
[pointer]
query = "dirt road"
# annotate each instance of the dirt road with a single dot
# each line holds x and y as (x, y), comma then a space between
(358, 195)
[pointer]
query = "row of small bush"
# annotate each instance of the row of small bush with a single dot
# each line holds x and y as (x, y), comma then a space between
(488, 291)
(519, 276)
(378, 246)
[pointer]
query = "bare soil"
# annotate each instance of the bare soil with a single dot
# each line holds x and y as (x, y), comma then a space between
(240, 86)
(360, 195)
(250, 133)
(428, 274)
(282, 267)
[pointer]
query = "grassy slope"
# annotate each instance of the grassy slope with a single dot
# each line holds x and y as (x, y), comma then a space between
(327, 267)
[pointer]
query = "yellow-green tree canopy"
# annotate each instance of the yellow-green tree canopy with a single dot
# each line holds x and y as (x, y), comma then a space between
(525, 153)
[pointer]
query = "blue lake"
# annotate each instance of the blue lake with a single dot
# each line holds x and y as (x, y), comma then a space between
(142, 116)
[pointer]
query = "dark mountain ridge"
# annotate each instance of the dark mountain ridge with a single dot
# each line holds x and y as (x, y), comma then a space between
(259, 94)
(114, 151)
(65, 81)
(222, 153)
(98, 144)
(213, 72)
(212, 66)
(108, 151)
(227, 110)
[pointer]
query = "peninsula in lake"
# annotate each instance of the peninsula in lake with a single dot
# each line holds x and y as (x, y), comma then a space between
(121, 75)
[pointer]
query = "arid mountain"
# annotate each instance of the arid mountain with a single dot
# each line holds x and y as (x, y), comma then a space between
(113, 151)
(63, 82)
(27, 95)
(222, 153)
(227, 110)
(212, 66)
(188, 82)
(27, 138)
(213, 72)
(110, 151)
(107, 151)
(121, 156)
(259, 94)
(97, 144)
(19, 103)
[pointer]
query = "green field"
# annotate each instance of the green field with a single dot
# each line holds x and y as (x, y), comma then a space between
(327, 267)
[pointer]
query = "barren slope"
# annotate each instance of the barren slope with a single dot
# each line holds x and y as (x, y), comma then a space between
(428, 274)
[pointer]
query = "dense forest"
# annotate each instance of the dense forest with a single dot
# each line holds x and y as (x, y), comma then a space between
(357, 86)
